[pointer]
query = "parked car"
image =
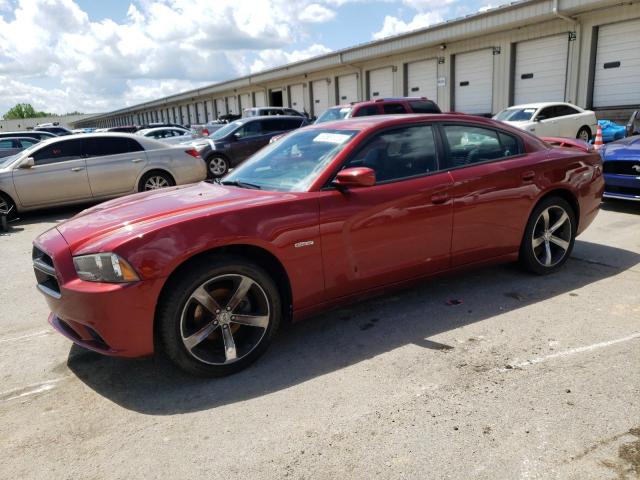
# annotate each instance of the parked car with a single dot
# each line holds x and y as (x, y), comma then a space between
(558, 119)
(13, 145)
(170, 135)
(28, 134)
(122, 129)
(633, 125)
(158, 125)
(622, 168)
(267, 111)
(57, 130)
(380, 106)
(330, 213)
(92, 167)
(204, 130)
(235, 142)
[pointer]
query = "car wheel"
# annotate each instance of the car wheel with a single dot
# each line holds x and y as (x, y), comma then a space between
(218, 166)
(549, 237)
(7, 205)
(155, 180)
(219, 316)
(584, 134)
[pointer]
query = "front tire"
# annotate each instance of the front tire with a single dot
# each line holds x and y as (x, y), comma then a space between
(7, 205)
(154, 181)
(549, 236)
(218, 166)
(219, 316)
(584, 134)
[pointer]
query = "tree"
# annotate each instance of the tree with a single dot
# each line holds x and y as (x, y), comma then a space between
(24, 110)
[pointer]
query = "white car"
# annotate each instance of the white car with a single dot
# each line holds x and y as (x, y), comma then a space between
(551, 119)
(170, 135)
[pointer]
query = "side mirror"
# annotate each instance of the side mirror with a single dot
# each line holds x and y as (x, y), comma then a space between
(356, 177)
(235, 136)
(27, 163)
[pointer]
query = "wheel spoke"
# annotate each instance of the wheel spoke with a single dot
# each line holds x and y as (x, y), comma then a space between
(229, 344)
(537, 242)
(261, 321)
(561, 221)
(545, 218)
(563, 244)
(240, 293)
(547, 253)
(195, 339)
(206, 300)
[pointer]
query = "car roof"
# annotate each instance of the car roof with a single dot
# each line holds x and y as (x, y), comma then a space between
(155, 129)
(19, 138)
(375, 121)
(267, 117)
(542, 105)
(22, 133)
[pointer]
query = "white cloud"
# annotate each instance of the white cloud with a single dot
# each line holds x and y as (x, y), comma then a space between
(394, 25)
(485, 8)
(315, 13)
(272, 58)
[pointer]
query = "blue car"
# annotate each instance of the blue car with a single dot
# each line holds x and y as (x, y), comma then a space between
(621, 163)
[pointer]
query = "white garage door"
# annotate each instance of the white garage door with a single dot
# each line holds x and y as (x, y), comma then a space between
(380, 83)
(348, 88)
(296, 97)
(210, 111)
(320, 96)
(200, 107)
(185, 115)
(474, 82)
(232, 105)
(221, 107)
(541, 70)
(193, 119)
(245, 100)
(617, 72)
(422, 79)
(260, 99)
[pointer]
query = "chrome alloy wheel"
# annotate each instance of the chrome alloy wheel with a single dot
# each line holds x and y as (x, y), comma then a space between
(583, 135)
(224, 319)
(155, 182)
(217, 166)
(4, 205)
(551, 236)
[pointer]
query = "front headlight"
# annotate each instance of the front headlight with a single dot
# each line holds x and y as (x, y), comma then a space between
(104, 267)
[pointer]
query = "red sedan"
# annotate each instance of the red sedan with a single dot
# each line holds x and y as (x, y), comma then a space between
(206, 273)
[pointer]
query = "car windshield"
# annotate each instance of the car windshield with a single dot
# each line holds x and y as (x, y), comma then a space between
(292, 163)
(337, 113)
(515, 115)
(226, 130)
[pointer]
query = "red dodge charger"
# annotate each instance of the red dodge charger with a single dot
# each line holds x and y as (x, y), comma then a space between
(206, 273)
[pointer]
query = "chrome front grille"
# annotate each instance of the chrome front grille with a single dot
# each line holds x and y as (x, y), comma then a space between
(45, 273)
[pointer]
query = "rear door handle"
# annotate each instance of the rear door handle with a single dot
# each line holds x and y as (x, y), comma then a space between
(136, 160)
(77, 169)
(528, 176)
(438, 198)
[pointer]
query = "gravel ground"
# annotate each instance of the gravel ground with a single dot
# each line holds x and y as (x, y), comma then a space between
(524, 378)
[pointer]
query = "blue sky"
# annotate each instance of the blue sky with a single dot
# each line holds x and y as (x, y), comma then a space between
(96, 56)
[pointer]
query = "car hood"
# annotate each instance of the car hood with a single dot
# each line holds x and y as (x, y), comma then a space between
(134, 215)
(624, 149)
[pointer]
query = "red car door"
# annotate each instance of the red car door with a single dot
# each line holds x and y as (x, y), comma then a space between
(492, 193)
(395, 230)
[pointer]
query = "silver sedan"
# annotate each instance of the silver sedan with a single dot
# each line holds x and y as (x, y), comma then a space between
(93, 167)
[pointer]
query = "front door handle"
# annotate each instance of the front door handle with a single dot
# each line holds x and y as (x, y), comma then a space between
(528, 176)
(438, 198)
(77, 169)
(136, 160)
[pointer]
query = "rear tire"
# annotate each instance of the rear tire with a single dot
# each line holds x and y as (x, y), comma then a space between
(155, 180)
(584, 134)
(217, 166)
(219, 316)
(7, 204)
(549, 236)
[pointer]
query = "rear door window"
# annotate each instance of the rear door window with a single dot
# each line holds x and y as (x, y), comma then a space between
(564, 110)
(59, 152)
(467, 144)
(4, 143)
(424, 106)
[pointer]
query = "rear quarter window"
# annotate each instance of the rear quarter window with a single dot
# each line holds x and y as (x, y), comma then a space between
(424, 106)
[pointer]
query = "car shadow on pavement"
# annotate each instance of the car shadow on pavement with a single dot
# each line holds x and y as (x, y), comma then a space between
(349, 335)
(621, 206)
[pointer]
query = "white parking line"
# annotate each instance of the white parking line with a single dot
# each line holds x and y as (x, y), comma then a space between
(28, 335)
(32, 389)
(571, 351)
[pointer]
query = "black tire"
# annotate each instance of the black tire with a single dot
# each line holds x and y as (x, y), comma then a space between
(217, 166)
(8, 205)
(534, 258)
(157, 177)
(180, 316)
(584, 134)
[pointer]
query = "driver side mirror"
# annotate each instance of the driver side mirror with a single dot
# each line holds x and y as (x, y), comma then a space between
(356, 177)
(27, 163)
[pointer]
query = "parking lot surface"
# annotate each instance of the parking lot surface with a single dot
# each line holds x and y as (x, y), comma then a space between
(492, 374)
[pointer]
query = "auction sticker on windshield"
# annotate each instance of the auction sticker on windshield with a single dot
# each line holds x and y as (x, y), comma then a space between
(336, 138)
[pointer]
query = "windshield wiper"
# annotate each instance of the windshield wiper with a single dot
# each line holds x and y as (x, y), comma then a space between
(237, 183)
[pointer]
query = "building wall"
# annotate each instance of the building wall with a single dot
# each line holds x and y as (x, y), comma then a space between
(517, 23)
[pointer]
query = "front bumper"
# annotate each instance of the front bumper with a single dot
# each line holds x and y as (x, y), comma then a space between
(623, 187)
(112, 319)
